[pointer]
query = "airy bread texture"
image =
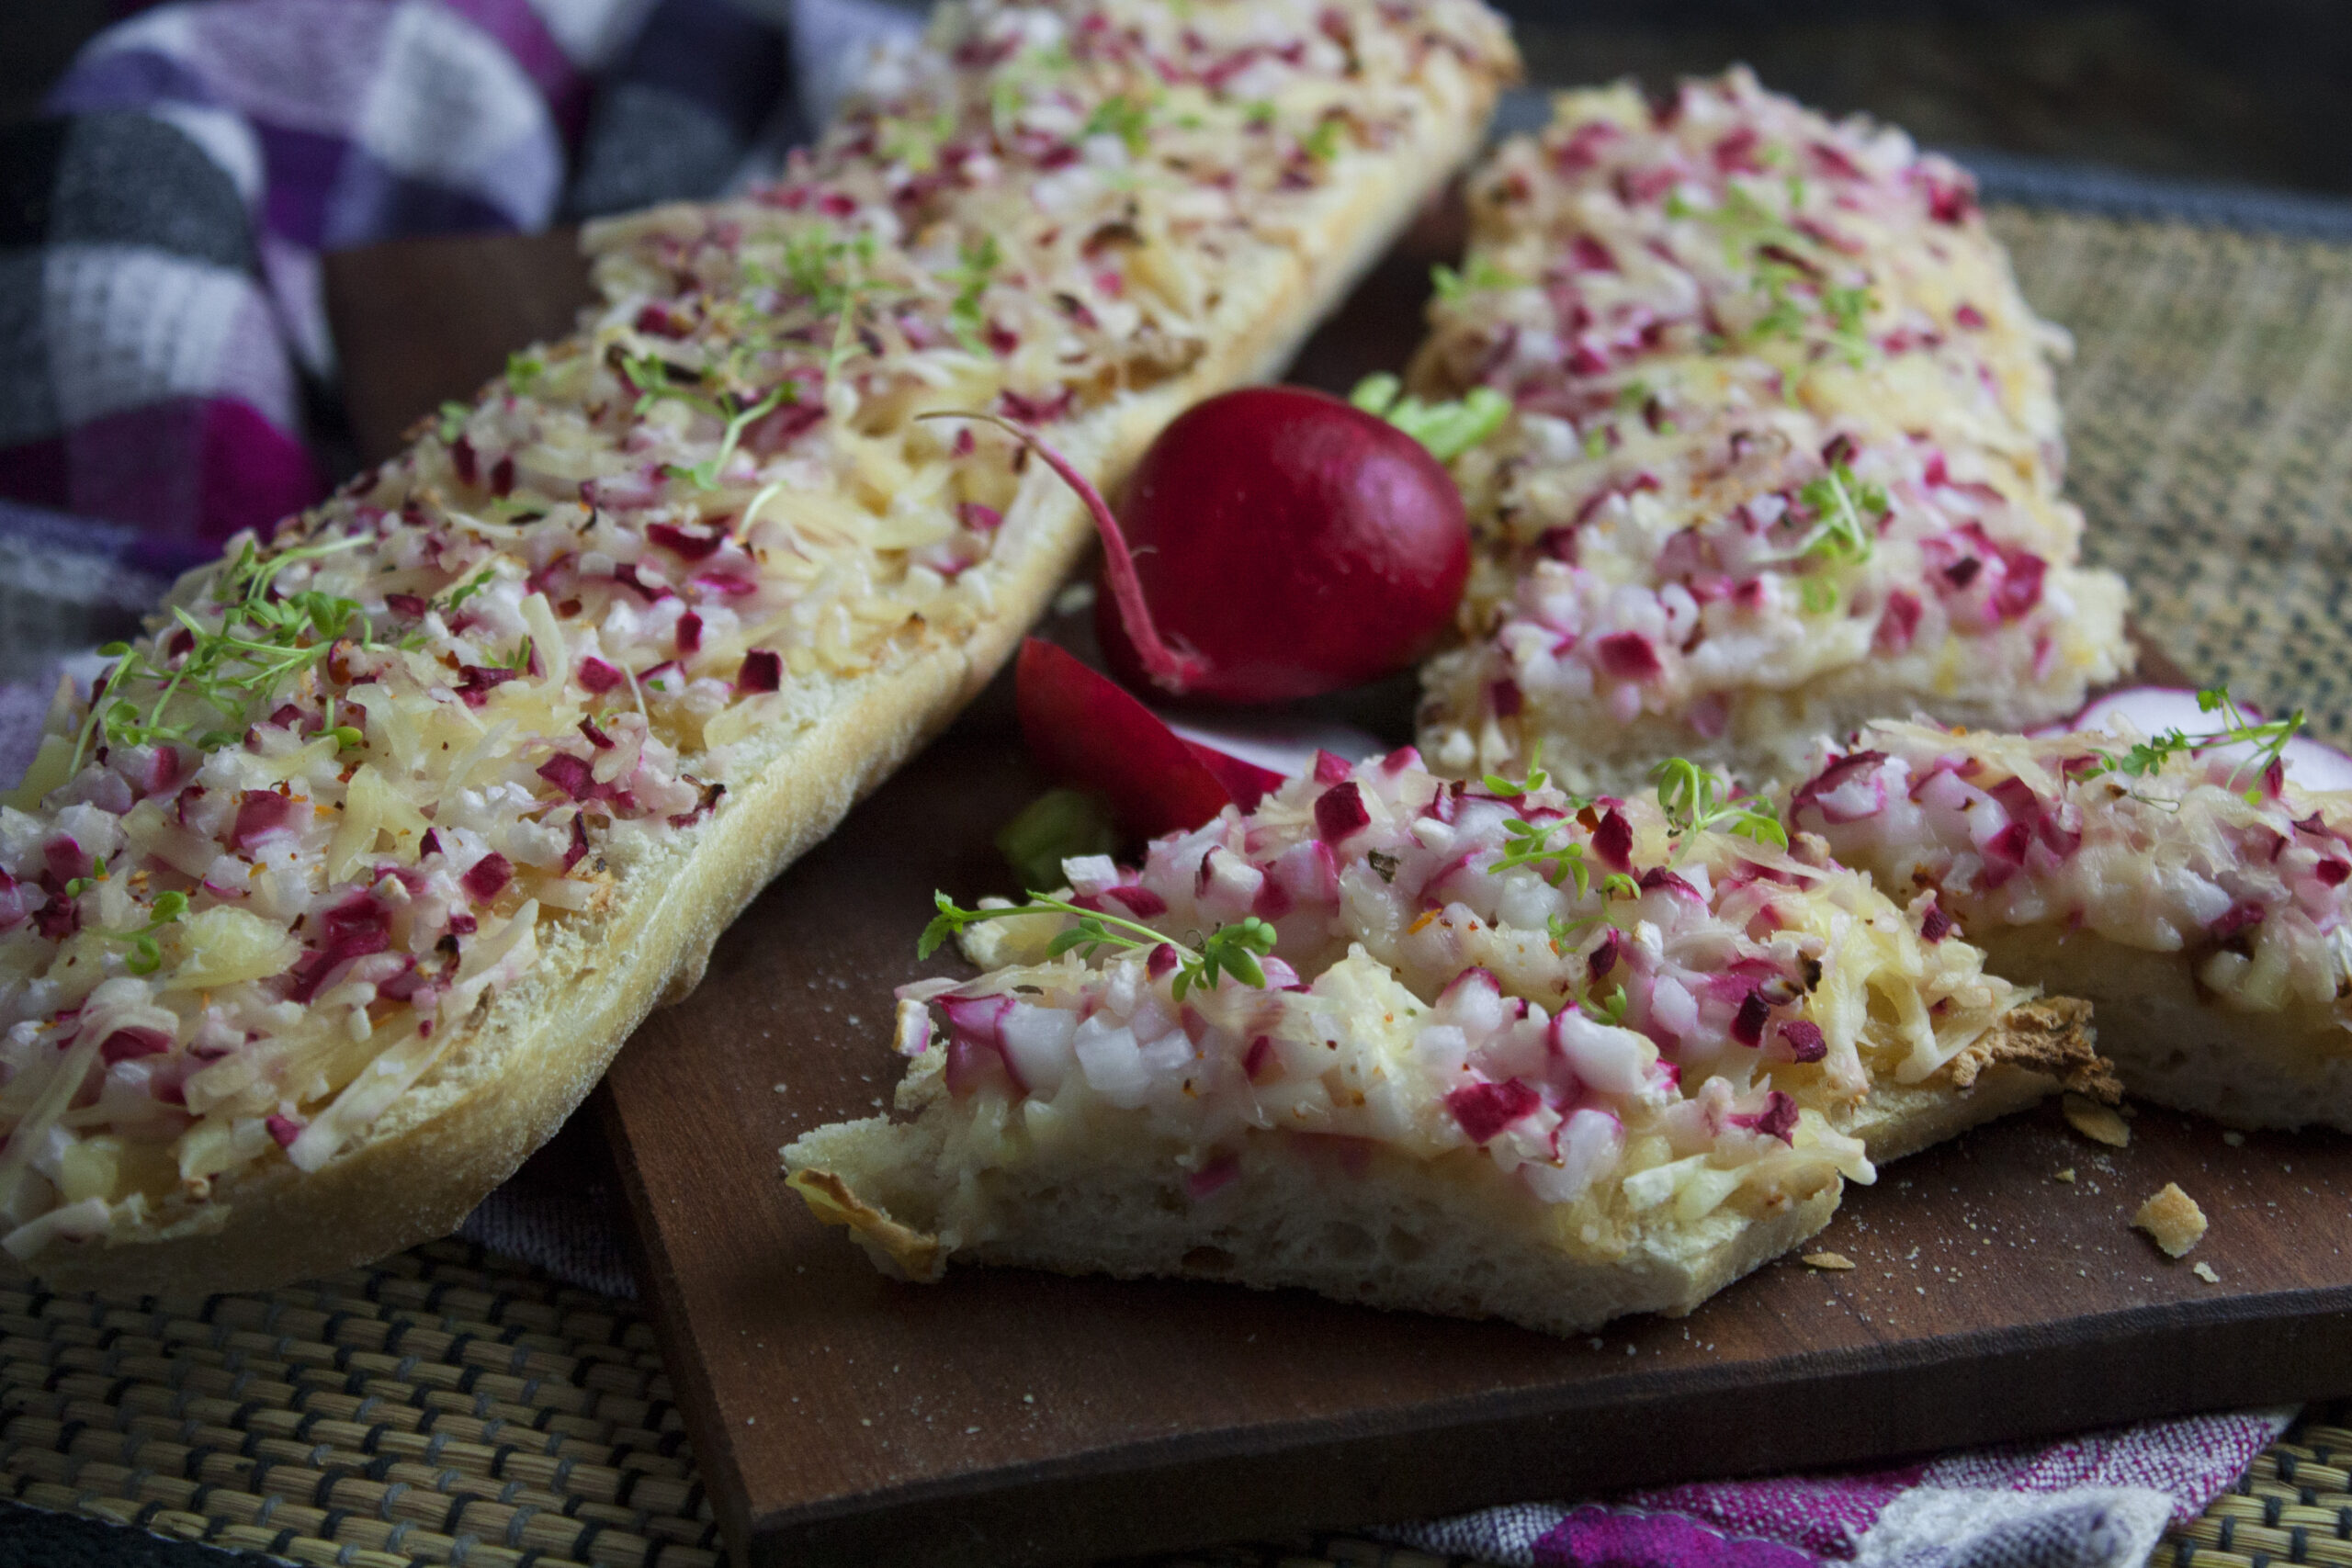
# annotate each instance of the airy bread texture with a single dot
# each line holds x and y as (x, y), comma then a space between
(529, 1052)
(1453, 1235)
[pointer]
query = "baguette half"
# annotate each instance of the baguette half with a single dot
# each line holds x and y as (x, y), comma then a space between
(541, 703)
(1783, 453)
(1516, 1054)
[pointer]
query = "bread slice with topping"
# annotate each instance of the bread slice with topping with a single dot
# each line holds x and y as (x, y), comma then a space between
(1486, 1049)
(2187, 888)
(367, 858)
(1783, 454)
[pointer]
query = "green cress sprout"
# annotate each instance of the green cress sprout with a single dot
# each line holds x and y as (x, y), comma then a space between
(1844, 509)
(1447, 429)
(1531, 845)
(1228, 950)
(650, 377)
(264, 639)
(146, 953)
(1693, 802)
(979, 264)
(2149, 757)
(1511, 789)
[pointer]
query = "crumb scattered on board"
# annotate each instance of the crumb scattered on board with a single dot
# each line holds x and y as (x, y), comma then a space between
(2205, 1272)
(2172, 1217)
(2065, 1175)
(2236, 1139)
(1830, 1261)
(2096, 1122)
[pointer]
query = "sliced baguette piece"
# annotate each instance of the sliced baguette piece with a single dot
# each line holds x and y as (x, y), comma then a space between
(2199, 901)
(1782, 457)
(1465, 1089)
(515, 804)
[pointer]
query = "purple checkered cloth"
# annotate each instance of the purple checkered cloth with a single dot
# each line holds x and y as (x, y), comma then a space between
(160, 230)
(166, 353)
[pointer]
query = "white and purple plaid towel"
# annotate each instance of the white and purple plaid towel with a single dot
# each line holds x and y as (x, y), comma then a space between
(160, 238)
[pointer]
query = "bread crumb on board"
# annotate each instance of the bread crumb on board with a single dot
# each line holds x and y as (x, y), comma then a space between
(2204, 1271)
(2172, 1217)
(1829, 1260)
(2096, 1122)
(2065, 1175)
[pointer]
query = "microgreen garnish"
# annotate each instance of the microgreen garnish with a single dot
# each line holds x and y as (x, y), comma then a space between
(466, 591)
(652, 379)
(265, 638)
(1451, 286)
(915, 142)
(1260, 112)
(1128, 118)
(1692, 799)
(524, 370)
(1322, 143)
(519, 661)
(453, 422)
(81, 885)
(1529, 844)
(1447, 429)
(971, 280)
(1511, 789)
(1843, 512)
(1229, 950)
(2269, 739)
(146, 953)
(1617, 885)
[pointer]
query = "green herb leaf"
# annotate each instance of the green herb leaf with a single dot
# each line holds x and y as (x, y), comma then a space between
(1232, 950)
(1535, 779)
(1692, 799)
(1128, 118)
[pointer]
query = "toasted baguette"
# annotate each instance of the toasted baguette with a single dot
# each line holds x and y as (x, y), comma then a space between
(1410, 1129)
(1784, 452)
(2188, 899)
(508, 1073)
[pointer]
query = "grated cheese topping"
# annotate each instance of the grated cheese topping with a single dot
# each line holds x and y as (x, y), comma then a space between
(2210, 853)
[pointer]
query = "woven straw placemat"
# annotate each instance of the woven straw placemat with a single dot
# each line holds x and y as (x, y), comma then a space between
(447, 1406)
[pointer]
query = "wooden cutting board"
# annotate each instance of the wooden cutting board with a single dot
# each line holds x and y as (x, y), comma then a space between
(1007, 1416)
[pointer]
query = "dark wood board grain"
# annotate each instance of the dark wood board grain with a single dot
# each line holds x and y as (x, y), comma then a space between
(1006, 1416)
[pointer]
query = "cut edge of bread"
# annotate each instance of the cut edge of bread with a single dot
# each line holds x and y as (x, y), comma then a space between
(524, 1062)
(2175, 1044)
(1453, 1235)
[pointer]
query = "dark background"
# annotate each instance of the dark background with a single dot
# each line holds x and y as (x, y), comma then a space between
(2253, 91)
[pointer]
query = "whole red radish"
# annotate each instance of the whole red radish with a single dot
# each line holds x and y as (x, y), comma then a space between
(1286, 544)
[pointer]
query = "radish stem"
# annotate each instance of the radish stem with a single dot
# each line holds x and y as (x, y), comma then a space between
(1172, 668)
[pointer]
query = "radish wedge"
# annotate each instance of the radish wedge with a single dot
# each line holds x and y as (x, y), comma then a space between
(1087, 730)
